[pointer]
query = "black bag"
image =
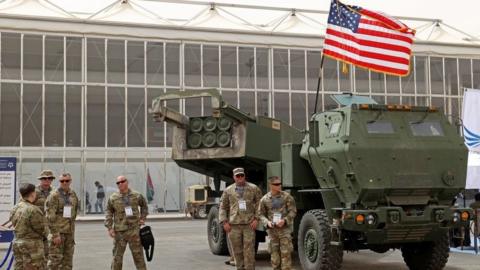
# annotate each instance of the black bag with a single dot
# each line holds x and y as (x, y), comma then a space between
(148, 242)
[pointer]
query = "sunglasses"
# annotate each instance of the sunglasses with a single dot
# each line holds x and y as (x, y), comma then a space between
(65, 181)
(276, 184)
(121, 182)
(240, 175)
(47, 178)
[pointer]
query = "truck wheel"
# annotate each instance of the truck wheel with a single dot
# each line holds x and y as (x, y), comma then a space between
(314, 249)
(427, 256)
(201, 212)
(217, 238)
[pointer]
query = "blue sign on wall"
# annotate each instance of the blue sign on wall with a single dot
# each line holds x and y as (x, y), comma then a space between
(8, 183)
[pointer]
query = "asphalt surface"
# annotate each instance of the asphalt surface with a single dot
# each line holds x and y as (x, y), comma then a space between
(182, 245)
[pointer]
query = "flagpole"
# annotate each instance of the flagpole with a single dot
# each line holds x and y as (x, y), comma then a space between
(318, 82)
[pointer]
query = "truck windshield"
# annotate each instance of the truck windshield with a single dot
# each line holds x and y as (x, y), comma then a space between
(430, 128)
(380, 127)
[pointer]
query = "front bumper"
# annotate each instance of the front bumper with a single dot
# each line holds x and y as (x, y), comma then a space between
(395, 225)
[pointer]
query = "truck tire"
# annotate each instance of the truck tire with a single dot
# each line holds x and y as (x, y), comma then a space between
(427, 256)
(217, 238)
(200, 212)
(314, 249)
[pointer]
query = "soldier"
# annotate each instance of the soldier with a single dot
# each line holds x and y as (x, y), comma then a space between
(238, 216)
(277, 211)
(43, 190)
(30, 231)
(123, 219)
(61, 210)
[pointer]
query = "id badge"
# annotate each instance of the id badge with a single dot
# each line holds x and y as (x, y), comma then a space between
(67, 211)
(242, 205)
(277, 217)
(128, 211)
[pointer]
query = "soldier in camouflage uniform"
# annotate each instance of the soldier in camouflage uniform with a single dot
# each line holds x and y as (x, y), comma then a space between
(43, 190)
(238, 215)
(123, 219)
(30, 231)
(277, 211)
(61, 210)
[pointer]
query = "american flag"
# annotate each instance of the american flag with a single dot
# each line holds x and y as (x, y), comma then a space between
(368, 39)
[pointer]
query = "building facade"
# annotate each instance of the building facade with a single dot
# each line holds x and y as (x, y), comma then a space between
(76, 99)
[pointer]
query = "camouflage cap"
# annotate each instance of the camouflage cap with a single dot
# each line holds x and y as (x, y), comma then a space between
(46, 174)
(239, 170)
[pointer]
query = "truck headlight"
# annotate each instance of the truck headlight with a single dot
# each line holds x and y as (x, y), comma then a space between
(456, 217)
(360, 219)
(371, 219)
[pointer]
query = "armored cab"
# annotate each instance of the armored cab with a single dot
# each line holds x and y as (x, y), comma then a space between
(365, 176)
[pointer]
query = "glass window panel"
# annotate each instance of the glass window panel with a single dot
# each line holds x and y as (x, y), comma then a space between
(247, 102)
(421, 63)
(116, 117)
(263, 103)
(380, 127)
(454, 108)
(436, 75)
(32, 57)
(11, 56)
(280, 69)
(32, 115)
(74, 59)
(393, 84)
(135, 62)
(476, 73)
(437, 102)
(330, 104)
(262, 68)
(423, 101)
(282, 106)
(345, 84)
(362, 83)
(393, 100)
(172, 58)
(297, 69)
(408, 100)
(311, 104)
(155, 63)
(451, 76)
(95, 60)
(74, 115)
(229, 67)
(53, 115)
(379, 99)
(155, 130)
(465, 68)
(378, 82)
(330, 75)
(53, 58)
(192, 65)
(116, 61)
(193, 106)
(299, 108)
(246, 67)
(313, 67)
(210, 66)
(230, 97)
(427, 128)
(96, 116)
(10, 114)
(136, 117)
(408, 82)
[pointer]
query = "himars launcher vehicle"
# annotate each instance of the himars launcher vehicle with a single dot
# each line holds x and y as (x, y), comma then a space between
(364, 176)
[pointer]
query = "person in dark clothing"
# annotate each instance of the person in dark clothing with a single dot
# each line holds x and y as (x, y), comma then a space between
(100, 198)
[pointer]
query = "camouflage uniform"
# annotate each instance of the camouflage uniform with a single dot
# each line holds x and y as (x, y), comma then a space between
(61, 256)
(126, 228)
(242, 237)
(30, 231)
(281, 245)
(40, 202)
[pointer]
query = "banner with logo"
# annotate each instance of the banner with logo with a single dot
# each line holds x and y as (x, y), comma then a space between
(8, 170)
(471, 133)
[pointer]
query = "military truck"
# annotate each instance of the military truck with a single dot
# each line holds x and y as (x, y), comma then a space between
(364, 175)
(199, 201)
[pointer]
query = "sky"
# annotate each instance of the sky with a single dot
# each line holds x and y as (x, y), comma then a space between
(461, 14)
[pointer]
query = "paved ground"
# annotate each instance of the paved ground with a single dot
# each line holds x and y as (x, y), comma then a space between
(182, 244)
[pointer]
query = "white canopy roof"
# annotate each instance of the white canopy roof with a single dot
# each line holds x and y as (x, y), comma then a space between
(163, 19)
